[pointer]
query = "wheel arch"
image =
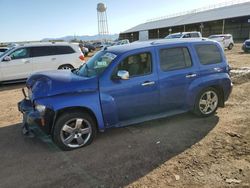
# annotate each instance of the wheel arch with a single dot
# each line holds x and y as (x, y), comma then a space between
(74, 109)
(66, 64)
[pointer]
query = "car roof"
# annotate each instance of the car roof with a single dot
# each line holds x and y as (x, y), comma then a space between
(183, 33)
(154, 43)
(46, 44)
(221, 35)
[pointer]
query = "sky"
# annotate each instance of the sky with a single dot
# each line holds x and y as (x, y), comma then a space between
(27, 20)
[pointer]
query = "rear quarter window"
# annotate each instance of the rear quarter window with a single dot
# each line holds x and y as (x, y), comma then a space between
(208, 54)
(64, 50)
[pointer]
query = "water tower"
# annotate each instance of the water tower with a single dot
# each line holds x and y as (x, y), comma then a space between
(102, 20)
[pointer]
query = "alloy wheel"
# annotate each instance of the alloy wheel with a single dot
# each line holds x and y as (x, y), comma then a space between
(208, 102)
(76, 132)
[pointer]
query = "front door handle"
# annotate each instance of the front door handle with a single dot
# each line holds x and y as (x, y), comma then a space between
(26, 62)
(192, 75)
(148, 83)
(218, 69)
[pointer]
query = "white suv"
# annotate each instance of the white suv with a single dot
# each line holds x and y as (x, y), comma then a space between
(226, 40)
(20, 61)
(192, 34)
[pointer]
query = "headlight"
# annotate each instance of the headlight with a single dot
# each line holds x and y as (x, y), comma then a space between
(40, 108)
(29, 93)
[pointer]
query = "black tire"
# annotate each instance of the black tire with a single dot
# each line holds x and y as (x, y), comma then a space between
(197, 108)
(65, 119)
(65, 67)
(230, 47)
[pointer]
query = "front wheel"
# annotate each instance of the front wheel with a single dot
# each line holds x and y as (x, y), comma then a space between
(65, 67)
(230, 47)
(74, 130)
(206, 102)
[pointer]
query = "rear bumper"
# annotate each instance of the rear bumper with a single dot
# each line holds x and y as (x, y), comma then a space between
(33, 118)
(229, 90)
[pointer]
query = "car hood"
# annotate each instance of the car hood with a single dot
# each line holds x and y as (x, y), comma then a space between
(44, 84)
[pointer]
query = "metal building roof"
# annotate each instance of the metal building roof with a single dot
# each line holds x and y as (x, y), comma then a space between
(232, 11)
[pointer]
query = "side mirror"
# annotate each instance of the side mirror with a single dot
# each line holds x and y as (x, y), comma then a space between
(7, 58)
(123, 74)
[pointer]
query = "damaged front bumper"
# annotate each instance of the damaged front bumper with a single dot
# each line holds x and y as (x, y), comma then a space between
(33, 118)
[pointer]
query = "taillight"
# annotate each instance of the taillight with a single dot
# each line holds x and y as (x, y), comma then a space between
(81, 57)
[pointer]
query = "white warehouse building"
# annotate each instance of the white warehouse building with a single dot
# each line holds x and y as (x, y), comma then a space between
(223, 18)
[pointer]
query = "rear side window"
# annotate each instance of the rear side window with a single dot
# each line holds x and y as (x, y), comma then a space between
(208, 54)
(50, 50)
(175, 58)
(227, 37)
(64, 50)
(195, 35)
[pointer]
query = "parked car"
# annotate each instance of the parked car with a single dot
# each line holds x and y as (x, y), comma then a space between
(90, 47)
(84, 50)
(98, 44)
(226, 40)
(124, 85)
(17, 63)
(121, 42)
(246, 46)
(3, 49)
(192, 34)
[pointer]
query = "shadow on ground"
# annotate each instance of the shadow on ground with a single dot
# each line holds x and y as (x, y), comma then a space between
(116, 158)
(6, 87)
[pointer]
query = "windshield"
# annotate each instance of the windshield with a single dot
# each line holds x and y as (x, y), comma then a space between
(174, 36)
(7, 51)
(96, 65)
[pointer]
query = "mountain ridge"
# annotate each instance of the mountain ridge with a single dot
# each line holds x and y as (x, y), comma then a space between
(83, 37)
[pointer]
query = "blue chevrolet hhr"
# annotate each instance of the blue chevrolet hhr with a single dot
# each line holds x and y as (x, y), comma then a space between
(124, 85)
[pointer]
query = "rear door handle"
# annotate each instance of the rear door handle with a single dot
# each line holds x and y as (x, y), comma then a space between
(148, 83)
(192, 75)
(53, 59)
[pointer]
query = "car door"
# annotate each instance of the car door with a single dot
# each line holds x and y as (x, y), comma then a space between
(133, 98)
(44, 58)
(176, 73)
(19, 65)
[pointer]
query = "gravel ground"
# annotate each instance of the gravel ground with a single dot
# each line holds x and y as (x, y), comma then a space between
(180, 151)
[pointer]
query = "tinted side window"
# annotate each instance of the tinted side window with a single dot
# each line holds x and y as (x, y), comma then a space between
(43, 51)
(137, 65)
(64, 50)
(227, 37)
(20, 53)
(175, 58)
(195, 35)
(208, 54)
(187, 36)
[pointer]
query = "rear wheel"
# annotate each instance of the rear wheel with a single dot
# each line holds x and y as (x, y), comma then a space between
(74, 130)
(230, 47)
(207, 102)
(66, 67)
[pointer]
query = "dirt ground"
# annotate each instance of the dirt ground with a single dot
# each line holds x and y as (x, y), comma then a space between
(180, 151)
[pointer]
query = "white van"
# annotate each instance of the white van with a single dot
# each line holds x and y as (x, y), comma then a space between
(192, 34)
(226, 40)
(18, 62)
